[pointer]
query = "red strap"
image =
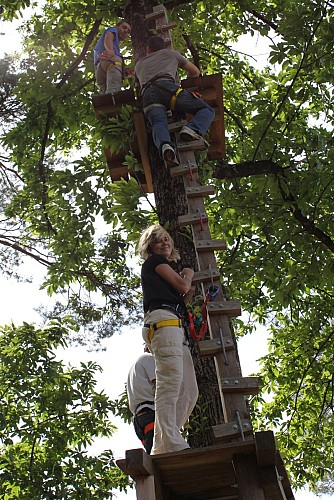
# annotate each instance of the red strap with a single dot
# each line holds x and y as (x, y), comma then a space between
(210, 295)
(204, 323)
(148, 427)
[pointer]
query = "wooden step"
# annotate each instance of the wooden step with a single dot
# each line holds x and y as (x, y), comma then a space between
(231, 430)
(155, 15)
(174, 126)
(205, 245)
(183, 170)
(191, 219)
(213, 346)
(166, 27)
(194, 192)
(230, 307)
(244, 385)
(206, 275)
(191, 145)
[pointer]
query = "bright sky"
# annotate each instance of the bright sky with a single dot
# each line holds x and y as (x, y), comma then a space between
(18, 301)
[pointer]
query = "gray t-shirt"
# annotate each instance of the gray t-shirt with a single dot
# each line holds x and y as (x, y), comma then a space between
(162, 62)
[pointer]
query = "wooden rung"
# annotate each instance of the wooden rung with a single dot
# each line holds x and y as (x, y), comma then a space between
(190, 145)
(166, 27)
(193, 192)
(230, 307)
(173, 126)
(244, 385)
(155, 15)
(205, 245)
(190, 219)
(213, 346)
(183, 170)
(231, 430)
(206, 275)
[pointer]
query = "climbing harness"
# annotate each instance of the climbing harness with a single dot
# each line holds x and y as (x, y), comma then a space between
(165, 322)
(209, 296)
(173, 99)
(114, 63)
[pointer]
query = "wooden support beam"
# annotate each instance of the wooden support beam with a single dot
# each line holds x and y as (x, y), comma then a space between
(166, 27)
(244, 385)
(265, 448)
(213, 346)
(248, 478)
(143, 149)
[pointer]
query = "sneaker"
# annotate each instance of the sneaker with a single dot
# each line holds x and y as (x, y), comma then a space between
(168, 154)
(188, 134)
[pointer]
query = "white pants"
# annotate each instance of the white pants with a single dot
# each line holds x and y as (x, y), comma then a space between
(176, 387)
(109, 76)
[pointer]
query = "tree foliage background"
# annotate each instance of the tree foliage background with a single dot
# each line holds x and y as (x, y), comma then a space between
(273, 201)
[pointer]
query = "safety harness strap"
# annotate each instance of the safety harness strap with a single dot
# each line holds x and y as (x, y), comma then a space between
(173, 99)
(165, 322)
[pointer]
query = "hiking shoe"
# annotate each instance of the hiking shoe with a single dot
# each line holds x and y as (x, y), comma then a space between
(188, 134)
(168, 154)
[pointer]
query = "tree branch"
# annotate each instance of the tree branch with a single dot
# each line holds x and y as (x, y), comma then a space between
(246, 169)
(80, 58)
(307, 224)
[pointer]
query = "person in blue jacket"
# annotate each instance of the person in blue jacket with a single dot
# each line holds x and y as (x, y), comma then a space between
(108, 60)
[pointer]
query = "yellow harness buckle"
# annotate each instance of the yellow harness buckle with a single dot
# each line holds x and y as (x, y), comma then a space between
(160, 324)
(173, 99)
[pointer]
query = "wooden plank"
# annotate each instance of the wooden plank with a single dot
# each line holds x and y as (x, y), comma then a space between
(182, 170)
(213, 346)
(107, 105)
(166, 27)
(249, 482)
(205, 275)
(205, 245)
(174, 126)
(244, 385)
(189, 219)
(199, 457)
(230, 430)
(119, 173)
(265, 448)
(203, 191)
(229, 307)
(191, 145)
(143, 149)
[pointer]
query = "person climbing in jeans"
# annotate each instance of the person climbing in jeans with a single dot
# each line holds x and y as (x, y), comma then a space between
(156, 73)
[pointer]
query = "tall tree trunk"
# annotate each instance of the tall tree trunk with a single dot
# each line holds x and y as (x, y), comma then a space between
(171, 202)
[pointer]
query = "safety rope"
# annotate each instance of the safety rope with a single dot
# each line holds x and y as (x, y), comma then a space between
(192, 318)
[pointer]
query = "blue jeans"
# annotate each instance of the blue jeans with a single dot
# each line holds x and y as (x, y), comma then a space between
(186, 102)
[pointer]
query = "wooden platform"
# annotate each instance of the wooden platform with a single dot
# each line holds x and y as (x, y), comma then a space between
(211, 473)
